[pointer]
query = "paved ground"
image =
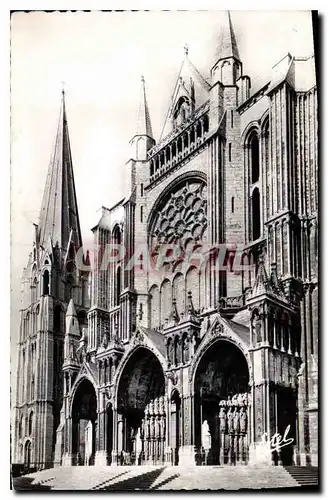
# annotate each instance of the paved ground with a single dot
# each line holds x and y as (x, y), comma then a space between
(165, 478)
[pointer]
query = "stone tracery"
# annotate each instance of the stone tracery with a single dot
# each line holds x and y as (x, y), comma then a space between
(183, 218)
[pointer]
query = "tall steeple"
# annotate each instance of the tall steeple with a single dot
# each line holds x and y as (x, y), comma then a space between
(59, 219)
(227, 46)
(143, 139)
(228, 67)
(143, 121)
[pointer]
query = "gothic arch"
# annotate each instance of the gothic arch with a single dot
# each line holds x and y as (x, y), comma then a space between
(30, 423)
(264, 119)
(80, 379)
(209, 340)
(126, 358)
(251, 127)
(165, 299)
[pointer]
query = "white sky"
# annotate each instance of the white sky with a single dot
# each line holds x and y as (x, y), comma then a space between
(100, 57)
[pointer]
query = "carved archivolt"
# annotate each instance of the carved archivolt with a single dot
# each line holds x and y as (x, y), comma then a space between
(217, 332)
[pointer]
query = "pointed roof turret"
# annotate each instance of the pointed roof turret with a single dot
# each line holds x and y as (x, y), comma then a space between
(227, 46)
(143, 139)
(71, 309)
(59, 212)
(143, 120)
(72, 322)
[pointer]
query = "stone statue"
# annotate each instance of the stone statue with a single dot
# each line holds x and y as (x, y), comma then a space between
(142, 429)
(206, 436)
(157, 427)
(147, 429)
(163, 427)
(236, 421)
(152, 427)
(186, 350)
(171, 352)
(258, 328)
(223, 420)
(230, 420)
(243, 420)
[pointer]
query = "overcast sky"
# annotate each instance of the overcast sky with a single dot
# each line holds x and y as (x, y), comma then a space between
(100, 57)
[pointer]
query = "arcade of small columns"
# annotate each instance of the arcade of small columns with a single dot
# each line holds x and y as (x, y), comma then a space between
(182, 145)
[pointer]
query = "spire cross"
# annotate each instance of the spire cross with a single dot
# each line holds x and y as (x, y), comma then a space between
(63, 88)
(186, 50)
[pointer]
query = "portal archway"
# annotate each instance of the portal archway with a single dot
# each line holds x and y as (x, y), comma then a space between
(84, 423)
(221, 404)
(141, 415)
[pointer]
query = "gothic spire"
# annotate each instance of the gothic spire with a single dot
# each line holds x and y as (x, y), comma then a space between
(59, 212)
(227, 46)
(143, 121)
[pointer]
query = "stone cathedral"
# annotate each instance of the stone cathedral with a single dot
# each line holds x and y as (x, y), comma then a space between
(196, 340)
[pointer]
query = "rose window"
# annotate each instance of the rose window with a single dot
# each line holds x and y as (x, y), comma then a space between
(183, 218)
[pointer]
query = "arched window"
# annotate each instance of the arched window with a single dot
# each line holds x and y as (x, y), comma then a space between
(117, 236)
(256, 215)
(34, 290)
(45, 290)
(30, 424)
(181, 111)
(255, 158)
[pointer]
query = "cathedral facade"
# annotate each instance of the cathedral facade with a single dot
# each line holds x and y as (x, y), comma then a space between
(190, 333)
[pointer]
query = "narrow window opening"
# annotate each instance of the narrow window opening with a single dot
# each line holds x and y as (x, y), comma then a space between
(46, 283)
(141, 190)
(233, 205)
(255, 159)
(256, 214)
(141, 213)
(229, 151)
(231, 118)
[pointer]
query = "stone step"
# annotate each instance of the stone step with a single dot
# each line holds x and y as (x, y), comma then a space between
(304, 475)
(132, 478)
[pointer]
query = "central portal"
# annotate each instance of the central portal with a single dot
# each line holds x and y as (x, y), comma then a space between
(141, 422)
(221, 405)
